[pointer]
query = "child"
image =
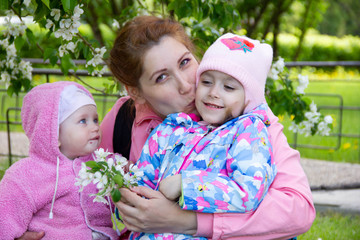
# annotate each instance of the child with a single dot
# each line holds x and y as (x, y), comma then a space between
(38, 192)
(226, 164)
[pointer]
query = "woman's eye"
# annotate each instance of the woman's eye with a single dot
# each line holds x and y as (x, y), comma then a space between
(160, 78)
(184, 62)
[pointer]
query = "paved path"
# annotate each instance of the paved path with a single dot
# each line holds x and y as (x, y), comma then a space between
(334, 185)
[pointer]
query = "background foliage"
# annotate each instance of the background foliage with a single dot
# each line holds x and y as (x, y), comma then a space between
(58, 36)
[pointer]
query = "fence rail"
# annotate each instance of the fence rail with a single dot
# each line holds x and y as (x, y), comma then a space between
(105, 99)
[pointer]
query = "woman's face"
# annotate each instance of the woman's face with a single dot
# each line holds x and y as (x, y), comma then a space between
(168, 80)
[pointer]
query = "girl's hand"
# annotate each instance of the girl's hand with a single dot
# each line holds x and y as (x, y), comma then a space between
(32, 236)
(154, 213)
(171, 187)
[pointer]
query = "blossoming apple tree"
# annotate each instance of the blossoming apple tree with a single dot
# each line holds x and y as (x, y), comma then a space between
(203, 20)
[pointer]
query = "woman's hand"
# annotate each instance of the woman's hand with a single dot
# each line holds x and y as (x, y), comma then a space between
(154, 213)
(32, 236)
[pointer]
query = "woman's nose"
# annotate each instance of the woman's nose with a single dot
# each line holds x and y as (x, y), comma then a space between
(186, 85)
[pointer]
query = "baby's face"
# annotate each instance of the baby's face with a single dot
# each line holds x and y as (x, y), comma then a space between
(219, 97)
(79, 134)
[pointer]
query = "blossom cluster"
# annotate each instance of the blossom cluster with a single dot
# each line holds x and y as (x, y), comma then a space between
(12, 68)
(108, 173)
(66, 27)
(314, 122)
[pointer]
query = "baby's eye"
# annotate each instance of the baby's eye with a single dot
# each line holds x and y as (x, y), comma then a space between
(83, 121)
(96, 120)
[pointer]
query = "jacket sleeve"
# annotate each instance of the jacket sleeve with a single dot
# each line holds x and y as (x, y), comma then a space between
(249, 174)
(16, 207)
(107, 125)
(150, 160)
(287, 209)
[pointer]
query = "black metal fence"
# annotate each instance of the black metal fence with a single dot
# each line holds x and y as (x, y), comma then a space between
(10, 113)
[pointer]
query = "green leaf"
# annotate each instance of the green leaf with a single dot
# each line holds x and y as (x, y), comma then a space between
(115, 195)
(19, 42)
(66, 5)
(91, 164)
(48, 53)
(41, 11)
(47, 3)
(4, 4)
(30, 35)
(66, 64)
(119, 180)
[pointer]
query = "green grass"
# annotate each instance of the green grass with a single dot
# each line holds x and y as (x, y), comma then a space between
(346, 150)
(333, 226)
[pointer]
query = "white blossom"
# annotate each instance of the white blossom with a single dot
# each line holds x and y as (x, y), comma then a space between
(78, 11)
(27, 2)
(101, 154)
(328, 119)
(120, 160)
(50, 24)
(98, 56)
(280, 64)
(55, 13)
(62, 50)
(5, 77)
(115, 24)
(303, 83)
(100, 180)
(100, 199)
(71, 46)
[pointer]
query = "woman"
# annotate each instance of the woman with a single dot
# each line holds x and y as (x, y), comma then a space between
(153, 58)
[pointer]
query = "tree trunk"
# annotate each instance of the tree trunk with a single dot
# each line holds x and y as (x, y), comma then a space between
(304, 28)
(258, 17)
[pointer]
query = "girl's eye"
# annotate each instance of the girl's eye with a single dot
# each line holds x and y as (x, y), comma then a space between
(83, 121)
(230, 88)
(205, 82)
(160, 78)
(184, 62)
(96, 120)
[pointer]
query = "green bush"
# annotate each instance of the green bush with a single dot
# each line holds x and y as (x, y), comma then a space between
(318, 47)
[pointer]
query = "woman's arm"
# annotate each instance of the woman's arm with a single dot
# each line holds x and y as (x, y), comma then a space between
(286, 211)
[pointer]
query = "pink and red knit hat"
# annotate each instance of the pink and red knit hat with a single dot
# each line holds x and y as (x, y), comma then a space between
(243, 58)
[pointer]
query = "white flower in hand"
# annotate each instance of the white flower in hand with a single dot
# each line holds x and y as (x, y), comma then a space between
(100, 180)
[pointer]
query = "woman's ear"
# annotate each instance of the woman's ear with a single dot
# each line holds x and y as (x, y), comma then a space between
(135, 94)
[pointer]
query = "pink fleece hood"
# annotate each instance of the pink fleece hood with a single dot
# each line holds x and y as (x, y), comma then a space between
(40, 118)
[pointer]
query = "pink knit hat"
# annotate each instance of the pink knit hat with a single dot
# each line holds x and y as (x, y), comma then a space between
(243, 58)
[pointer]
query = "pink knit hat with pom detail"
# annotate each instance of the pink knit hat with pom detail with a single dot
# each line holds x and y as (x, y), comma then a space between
(243, 58)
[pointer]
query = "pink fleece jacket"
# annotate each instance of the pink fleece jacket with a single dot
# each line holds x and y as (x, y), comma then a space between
(286, 211)
(28, 186)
